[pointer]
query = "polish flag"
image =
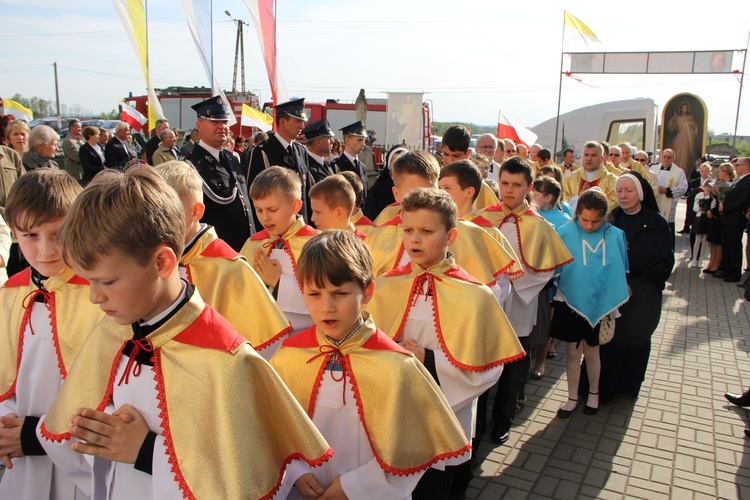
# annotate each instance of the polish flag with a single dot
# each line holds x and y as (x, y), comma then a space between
(263, 13)
(133, 118)
(507, 128)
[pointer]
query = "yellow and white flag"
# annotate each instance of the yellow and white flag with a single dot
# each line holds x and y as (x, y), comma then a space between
(252, 117)
(15, 108)
(580, 29)
(133, 16)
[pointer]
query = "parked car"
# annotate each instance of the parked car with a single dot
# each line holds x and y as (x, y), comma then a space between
(50, 122)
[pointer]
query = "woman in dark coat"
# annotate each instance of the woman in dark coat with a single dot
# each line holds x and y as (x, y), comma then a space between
(380, 194)
(91, 154)
(625, 359)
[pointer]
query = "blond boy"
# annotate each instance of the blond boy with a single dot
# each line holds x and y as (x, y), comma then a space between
(224, 278)
(166, 398)
(332, 201)
(277, 197)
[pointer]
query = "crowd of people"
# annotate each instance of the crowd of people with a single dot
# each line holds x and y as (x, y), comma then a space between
(222, 321)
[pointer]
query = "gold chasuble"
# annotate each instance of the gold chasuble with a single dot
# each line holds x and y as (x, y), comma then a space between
(362, 222)
(541, 248)
(72, 316)
(475, 335)
(230, 285)
(406, 418)
(229, 423)
(475, 250)
(291, 241)
(485, 198)
(388, 213)
(576, 183)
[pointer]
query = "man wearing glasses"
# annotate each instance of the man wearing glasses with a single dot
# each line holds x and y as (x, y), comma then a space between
(487, 145)
(672, 186)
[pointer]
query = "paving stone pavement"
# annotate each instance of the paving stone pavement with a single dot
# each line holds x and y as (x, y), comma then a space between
(679, 439)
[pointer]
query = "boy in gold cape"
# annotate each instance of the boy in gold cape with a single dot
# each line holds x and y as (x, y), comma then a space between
(377, 405)
(46, 315)
(223, 277)
(166, 398)
(359, 219)
(332, 201)
(418, 306)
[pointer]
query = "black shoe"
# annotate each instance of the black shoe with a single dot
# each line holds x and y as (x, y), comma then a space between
(499, 435)
(709, 271)
(565, 414)
(732, 279)
(684, 231)
(747, 432)
(739, 399)
(720, 274)
(588, 410)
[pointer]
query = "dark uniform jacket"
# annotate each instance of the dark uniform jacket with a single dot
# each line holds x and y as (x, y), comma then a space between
(342, 164)
(271, 153)
(225, 196)
(318, 171)
(116, 155)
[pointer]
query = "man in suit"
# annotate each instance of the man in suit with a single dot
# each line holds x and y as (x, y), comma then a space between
(354, 143)
(70, 146)
(487, 145)
(281, 149)
(319, 137)
(224, 188)
(152, 144)
(733, 222)
(119, 153)
(187, 149)
(167, 150)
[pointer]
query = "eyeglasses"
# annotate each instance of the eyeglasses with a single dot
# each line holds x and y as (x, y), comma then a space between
(614, 154)
(642, 160)
(510, 150)
(486, 148)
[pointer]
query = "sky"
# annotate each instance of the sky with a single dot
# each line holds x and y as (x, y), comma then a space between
(470, 58)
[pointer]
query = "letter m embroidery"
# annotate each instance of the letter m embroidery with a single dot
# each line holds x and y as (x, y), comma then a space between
(586, 245)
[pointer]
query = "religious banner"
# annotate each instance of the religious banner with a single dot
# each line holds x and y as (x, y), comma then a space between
(684, 125)
(404, 119)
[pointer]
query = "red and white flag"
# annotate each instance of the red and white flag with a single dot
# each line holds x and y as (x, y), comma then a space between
(133, 118)
(507, 128)
(264, 19)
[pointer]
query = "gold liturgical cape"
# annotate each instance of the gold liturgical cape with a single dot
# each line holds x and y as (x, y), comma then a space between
(293, 240)
(230, 285)
(475, 250)
(229, 423)
(472, 329)
(485, 198)
(362, 222)
(387, 214)
(408, 421)
(72, 316)
(515, 271)
(541, 248)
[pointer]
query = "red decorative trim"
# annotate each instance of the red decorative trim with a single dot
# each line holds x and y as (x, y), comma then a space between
(523, 257)
(482, 222)
(56, 438)
(304, 338)
(21, 278)
(387, 467)
(359, 234)
(188, 273)
(166, 432)
(459, 273)
(364, 221)
(409, 303)
(306, 231)
(77, 280)
(317, 383)
(379, 341)
(288, 250)
(317, 462)
(210, 330)
(26, 318)
(261, 235)
(275, 338)
(444, 347)
(399, 271)
(52, 311)
(219, 248)
(498, 207)
(393, 222)
(400, 255)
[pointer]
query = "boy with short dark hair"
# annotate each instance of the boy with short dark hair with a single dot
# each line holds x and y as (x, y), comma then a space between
(416, 303)
(46, 317)
(277, 197)
(223, 277)
(541, 251)
(380, 409)
(332, 201)
(167, 398)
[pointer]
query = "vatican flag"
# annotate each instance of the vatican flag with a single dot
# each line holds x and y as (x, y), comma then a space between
(15, 108)
(579, 28)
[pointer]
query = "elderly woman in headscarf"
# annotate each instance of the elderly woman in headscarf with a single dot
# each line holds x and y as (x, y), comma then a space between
(625, 358)
(42, 148)
(380, 194)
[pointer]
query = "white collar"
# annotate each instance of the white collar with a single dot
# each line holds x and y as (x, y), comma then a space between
(169, 309)
(351, 158)
(282, 140)
(214, 152)
(317, 158)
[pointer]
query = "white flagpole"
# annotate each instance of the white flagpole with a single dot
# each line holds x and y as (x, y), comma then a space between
(559, 84)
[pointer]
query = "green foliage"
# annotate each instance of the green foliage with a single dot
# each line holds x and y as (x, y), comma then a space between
(40, 107)
(440, 127)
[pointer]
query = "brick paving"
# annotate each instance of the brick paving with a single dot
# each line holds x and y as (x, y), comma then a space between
(679, 439)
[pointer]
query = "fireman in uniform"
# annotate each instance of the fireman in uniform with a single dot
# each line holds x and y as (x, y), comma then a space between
(354, 143)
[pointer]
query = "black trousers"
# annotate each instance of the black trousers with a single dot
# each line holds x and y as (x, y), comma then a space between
(435, 484)
(504, 408)
(731, 250)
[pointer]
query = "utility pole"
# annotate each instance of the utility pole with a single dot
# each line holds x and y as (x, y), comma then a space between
(239, 51)
(57, 98)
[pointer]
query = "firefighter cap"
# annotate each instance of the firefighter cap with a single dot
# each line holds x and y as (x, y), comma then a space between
(215, 109)
(294, 108)
(356, 129)
(318, 128)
